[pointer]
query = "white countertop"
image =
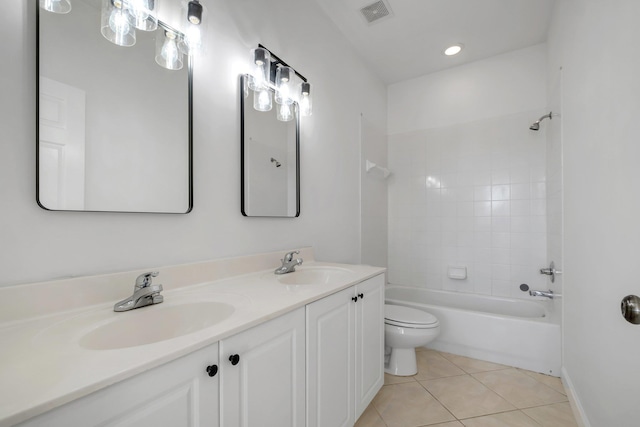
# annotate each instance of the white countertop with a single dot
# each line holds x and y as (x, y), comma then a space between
(43, 366)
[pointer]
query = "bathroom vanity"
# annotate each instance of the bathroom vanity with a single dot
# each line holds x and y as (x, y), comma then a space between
(305, 348)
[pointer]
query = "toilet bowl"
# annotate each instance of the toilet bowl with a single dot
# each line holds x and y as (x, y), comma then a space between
(405, 329)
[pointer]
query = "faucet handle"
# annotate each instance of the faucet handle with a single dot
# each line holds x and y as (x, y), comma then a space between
(289, 256)
(144, 280)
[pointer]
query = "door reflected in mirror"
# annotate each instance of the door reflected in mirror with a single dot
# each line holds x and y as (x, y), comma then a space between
(270, 157)
(114, 128)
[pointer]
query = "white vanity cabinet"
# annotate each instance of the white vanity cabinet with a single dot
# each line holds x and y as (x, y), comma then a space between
(345, 339)
(262, 374)
(180, 393)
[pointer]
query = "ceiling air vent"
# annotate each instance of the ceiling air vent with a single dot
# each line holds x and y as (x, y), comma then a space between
(375, 11)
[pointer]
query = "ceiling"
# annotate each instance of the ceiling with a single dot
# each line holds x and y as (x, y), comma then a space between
(410, 42)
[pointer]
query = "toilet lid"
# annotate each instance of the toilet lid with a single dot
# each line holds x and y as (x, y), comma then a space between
(399, 315)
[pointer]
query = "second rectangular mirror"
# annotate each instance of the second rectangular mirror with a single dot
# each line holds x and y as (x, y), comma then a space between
(270, 157)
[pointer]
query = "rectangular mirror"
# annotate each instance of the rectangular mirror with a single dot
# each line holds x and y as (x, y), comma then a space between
(270, 159)
(114, 128)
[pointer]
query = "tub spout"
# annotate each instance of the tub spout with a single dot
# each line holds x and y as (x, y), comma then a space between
(548, 294)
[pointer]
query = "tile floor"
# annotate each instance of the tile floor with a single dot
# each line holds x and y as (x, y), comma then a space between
(456, 391)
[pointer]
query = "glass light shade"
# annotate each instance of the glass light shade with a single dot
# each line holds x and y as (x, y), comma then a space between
(115, 23)
(262, 100)
(142, 14)
(167, 53)
(305, 99)
(284, 112)
(193, 25)
(260, 68)
(284, 85)
(56, 6)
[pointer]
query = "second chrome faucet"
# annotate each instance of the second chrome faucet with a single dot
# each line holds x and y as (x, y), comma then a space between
(288, 263)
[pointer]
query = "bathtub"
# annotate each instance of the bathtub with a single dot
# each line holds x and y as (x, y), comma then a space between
(520, 333)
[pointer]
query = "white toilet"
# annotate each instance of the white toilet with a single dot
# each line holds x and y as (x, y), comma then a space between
(405, 329)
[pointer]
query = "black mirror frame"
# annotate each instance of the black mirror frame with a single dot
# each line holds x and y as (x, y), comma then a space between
(190, 142)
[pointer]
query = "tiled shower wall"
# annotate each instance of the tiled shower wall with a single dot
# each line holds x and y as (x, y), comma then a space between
(470, 195)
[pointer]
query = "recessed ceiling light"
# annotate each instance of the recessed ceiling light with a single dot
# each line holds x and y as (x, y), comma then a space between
(453, 50)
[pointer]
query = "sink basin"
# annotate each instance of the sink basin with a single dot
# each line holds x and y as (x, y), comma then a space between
(315, 275)
(155, 323)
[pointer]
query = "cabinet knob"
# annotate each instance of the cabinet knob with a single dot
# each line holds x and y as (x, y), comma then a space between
(361, 296)
(234, 359)
(212, 370)
(355, 299)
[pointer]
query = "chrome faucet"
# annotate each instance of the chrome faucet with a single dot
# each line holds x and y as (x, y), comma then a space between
(144, 293)
(548, 294)
(288, 263)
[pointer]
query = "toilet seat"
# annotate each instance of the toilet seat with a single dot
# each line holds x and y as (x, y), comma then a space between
(407, 317)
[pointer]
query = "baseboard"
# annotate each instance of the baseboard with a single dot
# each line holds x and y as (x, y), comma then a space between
(576, 406)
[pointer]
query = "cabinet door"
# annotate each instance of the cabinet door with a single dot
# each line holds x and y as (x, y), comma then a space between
(265, 386)
(178, 394)
(330, 360)
(369, 334)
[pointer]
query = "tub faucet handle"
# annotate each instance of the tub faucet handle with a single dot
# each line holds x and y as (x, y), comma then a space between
(551, 271)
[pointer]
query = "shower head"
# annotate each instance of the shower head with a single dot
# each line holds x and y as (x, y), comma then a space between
(536, 125)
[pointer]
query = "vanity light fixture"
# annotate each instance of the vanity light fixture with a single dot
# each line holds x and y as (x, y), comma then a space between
(120, 19)
(167, 53)
(269, 72)
(116, 26)
(453, 50)
(56, 6)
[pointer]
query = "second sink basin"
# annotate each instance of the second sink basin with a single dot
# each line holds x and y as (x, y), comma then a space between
(315, 275)
(152, 324)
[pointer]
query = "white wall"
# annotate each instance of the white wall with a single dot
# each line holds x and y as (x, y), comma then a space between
(373, 194)
(504, 84)
(38, 245)
(469, 189)
(595, 42)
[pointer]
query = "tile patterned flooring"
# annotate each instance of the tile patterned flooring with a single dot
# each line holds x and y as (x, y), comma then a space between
(456, 391)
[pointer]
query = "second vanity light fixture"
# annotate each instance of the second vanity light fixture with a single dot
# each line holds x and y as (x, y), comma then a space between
(121, 18)
(268, 72)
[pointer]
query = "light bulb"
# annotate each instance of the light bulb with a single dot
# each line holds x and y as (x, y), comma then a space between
(142, 14)
(260, 62)
(285, 112)
(305, 99)
(56, 6)
(193, 26)
(119, 24)
(283, 85)
(170, 49)
(115, 25)
(167, 53)
(262, 100)
(192, 39)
